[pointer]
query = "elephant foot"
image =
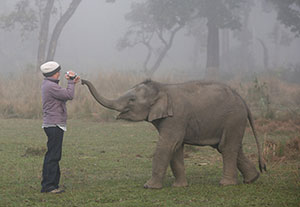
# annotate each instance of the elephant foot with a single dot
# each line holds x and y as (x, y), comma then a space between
(180, 184)
(152, 185)
(251, 180)
(226, 181)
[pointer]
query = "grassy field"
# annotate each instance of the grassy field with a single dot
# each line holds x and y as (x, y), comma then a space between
(106, 164)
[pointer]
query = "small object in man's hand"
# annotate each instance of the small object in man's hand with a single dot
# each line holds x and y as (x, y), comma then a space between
(72, 76)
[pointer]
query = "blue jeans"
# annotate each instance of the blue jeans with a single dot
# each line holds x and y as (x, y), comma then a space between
(51, 170)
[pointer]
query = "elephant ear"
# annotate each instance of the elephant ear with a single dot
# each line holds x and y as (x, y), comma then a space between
(161, 108)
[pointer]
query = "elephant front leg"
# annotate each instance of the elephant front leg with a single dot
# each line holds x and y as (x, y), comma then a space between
(177, 166)
(229, 168)
(162, 157)
(160, 163)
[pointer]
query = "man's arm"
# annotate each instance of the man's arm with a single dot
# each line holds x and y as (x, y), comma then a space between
(63, 94)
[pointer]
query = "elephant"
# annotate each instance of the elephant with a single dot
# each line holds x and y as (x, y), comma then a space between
(200, 113)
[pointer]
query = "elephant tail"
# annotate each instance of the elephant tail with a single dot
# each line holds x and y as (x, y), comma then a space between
(262, 164)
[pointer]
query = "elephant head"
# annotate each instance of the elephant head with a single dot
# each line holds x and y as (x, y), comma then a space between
(146, 101)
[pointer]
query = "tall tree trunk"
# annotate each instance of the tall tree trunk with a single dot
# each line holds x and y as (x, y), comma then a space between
(213, 57)
(59, 27)
(158, 61)
(245, 37)
(224, 50)
(277, 37)
(225, 42)
(266, 54)
(148, 57)
(196, 53)
(43, 34)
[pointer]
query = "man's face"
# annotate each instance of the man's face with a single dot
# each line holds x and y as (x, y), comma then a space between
(56, 75)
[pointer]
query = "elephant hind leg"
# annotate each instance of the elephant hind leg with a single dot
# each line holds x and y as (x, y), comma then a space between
(177, 167)
(229, 168)
(229, 147)
(247, 168)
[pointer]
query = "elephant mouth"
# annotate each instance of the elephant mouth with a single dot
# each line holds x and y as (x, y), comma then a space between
(122, 114)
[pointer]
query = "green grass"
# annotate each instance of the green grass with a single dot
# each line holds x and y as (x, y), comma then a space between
(106, 164)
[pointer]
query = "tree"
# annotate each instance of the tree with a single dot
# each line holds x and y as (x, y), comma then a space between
(162, 19)
(288, 14)
(265, 54)
(155, 21)
(219, 14)
(36, 15)
(197, 30)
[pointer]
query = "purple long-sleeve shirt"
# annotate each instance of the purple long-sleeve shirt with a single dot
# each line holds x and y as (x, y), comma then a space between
(54, 99)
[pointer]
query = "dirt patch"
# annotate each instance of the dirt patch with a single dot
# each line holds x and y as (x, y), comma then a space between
(34, 151)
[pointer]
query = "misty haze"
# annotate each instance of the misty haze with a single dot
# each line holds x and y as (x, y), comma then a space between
(89, 42)
(252, 46)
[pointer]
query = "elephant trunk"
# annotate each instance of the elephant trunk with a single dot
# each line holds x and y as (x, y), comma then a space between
(111, 104)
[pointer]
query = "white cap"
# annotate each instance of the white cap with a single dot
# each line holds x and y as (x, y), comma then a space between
(50, 68)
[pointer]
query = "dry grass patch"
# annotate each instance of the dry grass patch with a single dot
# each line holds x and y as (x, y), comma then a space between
(21, 95)
(278, 150)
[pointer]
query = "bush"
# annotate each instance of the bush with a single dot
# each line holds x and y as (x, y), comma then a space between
(281, 150)
(259, 94)
(21, 95)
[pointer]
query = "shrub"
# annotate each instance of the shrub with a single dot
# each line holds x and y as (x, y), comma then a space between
(281, 150)
(259, 94)
(21, 95)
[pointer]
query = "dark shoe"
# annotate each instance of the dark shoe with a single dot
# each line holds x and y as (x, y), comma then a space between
(53, 190)
(48, 189)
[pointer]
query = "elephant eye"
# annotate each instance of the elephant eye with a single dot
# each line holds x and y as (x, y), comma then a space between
(132, 99)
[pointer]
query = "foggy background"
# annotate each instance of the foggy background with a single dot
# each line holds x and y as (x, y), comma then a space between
(88, 43)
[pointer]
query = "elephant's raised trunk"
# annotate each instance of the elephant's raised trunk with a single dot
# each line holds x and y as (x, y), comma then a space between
(111, 104)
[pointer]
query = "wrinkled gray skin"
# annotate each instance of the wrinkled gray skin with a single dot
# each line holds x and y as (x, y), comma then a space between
(194, 113)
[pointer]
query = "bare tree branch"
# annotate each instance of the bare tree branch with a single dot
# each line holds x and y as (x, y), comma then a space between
(59, 27)
(44, 31)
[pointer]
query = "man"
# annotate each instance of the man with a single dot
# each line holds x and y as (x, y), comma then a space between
(54, 99)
